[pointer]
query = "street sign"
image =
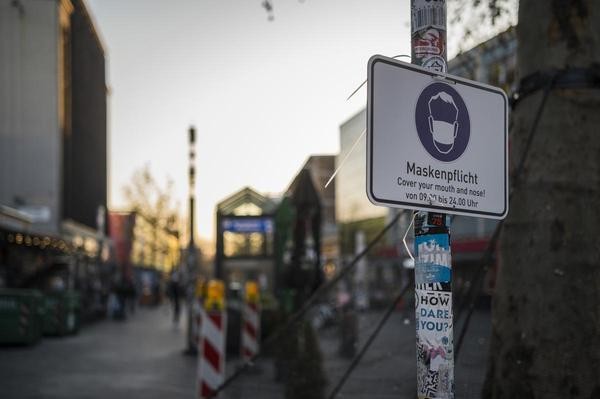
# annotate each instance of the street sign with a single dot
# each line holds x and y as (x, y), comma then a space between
(248, 225)
(435, 142)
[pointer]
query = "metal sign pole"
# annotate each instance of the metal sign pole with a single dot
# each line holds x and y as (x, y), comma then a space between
(433, 268)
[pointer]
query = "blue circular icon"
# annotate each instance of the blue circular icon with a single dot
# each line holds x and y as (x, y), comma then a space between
(442, 122)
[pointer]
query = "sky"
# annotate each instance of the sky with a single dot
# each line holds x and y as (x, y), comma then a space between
(263, 95)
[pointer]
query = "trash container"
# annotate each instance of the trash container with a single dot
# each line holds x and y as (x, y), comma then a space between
(21, 313)
(63, 313)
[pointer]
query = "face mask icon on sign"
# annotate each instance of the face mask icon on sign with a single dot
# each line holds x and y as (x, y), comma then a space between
(443, 121)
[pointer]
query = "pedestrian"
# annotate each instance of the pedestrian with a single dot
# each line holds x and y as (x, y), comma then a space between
(131, 295)
(174, 294)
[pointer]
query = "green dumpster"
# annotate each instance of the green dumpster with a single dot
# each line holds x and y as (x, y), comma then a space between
(63, 313)
(21, 314)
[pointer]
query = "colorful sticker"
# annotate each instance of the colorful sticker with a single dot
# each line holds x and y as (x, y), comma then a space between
(431, 221)
(428, 43)
(433, 259)
(435, 63)
(428, 13)
(436, 219)
(435, 355)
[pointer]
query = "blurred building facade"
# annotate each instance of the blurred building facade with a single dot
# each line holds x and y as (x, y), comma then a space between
(143, 254)
(85, 163)
(140, 243)
(354, 211)
(120, 230)
(359, 222)
(53, 146)
(321, 168)
(493, 62)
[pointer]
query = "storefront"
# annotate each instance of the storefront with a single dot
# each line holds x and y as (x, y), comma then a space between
(73, 261)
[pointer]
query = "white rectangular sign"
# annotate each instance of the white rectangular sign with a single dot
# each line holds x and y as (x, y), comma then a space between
(435, 142)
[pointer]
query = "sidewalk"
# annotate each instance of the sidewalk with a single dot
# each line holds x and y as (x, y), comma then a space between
(142, 358)
(388, 369)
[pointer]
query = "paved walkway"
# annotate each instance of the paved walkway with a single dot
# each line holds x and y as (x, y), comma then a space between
(388, 369)
(142, 358)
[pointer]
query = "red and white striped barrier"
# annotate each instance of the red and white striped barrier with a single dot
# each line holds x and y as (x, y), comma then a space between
(212, 353)
(250, 331)
(199, 315)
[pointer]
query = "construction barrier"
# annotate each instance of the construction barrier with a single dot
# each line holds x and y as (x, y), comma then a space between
(211, 359)
(198, 308)
(250, 321)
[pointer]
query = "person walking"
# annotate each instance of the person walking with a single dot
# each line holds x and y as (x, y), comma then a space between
(174, 294)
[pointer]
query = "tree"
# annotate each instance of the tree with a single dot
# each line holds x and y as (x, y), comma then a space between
(469, 21)
(546, 310)
(154, 203)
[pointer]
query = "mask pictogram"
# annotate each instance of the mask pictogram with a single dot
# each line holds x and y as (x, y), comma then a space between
(442, 122)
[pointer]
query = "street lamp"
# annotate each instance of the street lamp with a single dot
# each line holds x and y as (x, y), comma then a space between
(191, 263)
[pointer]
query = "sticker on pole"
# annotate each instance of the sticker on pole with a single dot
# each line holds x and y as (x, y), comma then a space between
(436, 142)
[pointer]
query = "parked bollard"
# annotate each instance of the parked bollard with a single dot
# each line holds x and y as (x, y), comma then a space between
(211, 367)
(250, 321)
